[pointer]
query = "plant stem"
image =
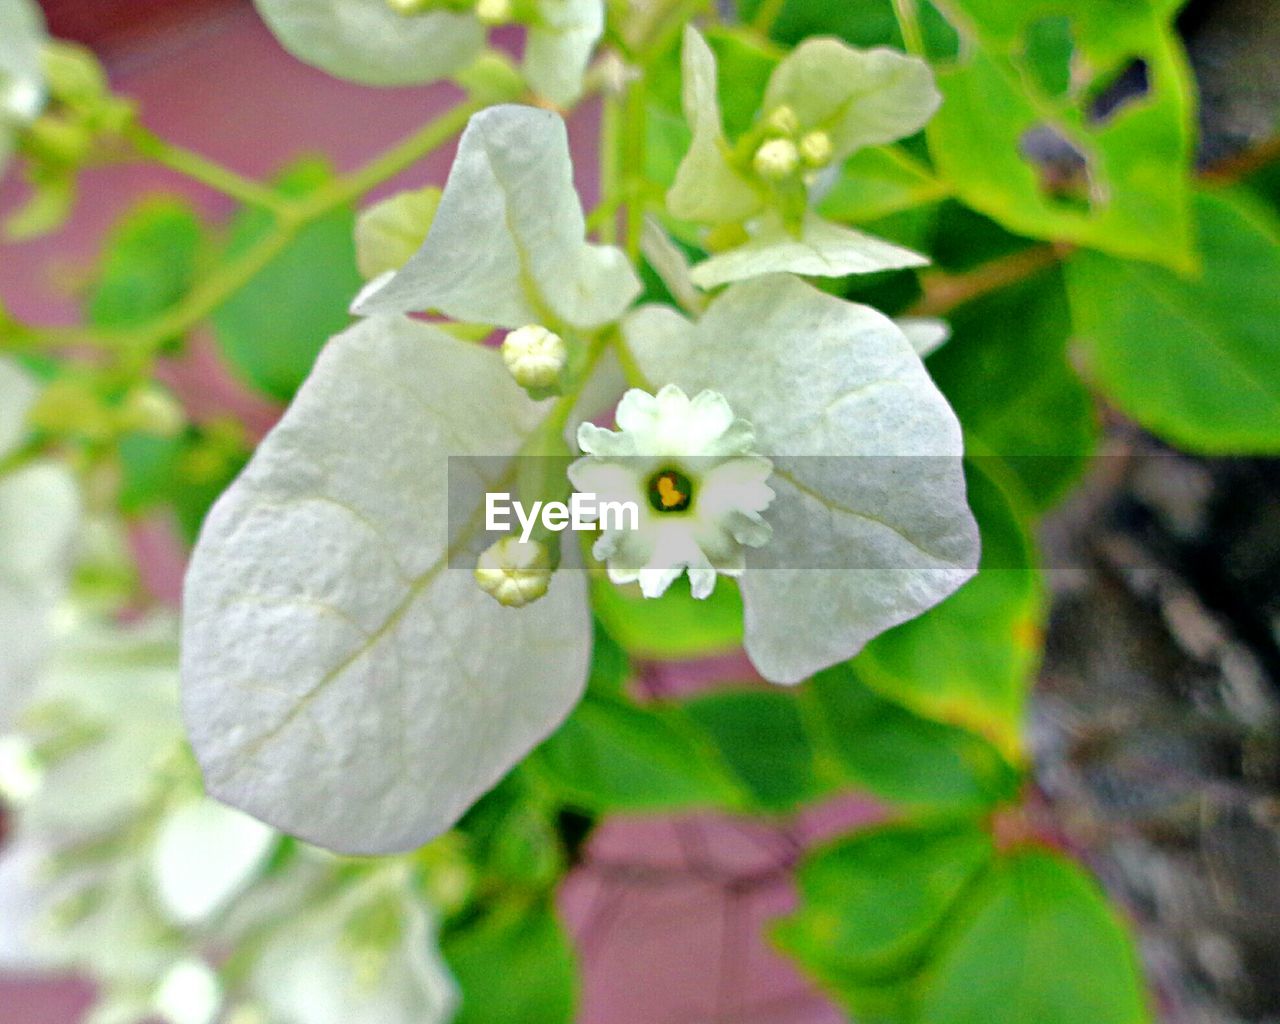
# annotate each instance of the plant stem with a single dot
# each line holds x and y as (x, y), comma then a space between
(944, 292)
(291, 217)
(610, 170)
(767, 15)
(636, 128)
(198, 168)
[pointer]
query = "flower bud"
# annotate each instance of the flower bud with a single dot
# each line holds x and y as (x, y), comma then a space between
(514, 572)
(148, 410)
(816, 149)
(409, 6)
(783, 120)
(776, 159)
(494, 12)
(535, 356)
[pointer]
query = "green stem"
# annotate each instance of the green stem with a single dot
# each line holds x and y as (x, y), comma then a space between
(767, 15)
(198, 168)
(610, 171)
(635, 136)
(291, 217)
(909, 24)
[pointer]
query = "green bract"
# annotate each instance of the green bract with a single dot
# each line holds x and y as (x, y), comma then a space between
(824, 101)
(374, 42)
(39, 508)
(507, 244)
(22, 89)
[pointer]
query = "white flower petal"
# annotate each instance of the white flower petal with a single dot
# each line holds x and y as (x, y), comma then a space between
(927, 334)
(858, 97)
(204, 854)
(707, 189)
(367, 41)
(332, 683)
(507, 246)
(822, 250)
(858, 545)
(39, 513)
(560, 45)
(309, 973)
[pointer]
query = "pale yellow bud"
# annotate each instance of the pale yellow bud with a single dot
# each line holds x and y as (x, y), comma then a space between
(494, 12)
(409, 6)
(535, 356)
(776, 159)
(514, 572)
(816, 149)
(783, 120)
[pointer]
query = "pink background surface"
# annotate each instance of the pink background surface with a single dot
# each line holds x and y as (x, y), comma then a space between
(669, 914)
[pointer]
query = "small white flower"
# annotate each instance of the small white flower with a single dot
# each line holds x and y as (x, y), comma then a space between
(535, 356)
(776, 159)
(514, 572)
(690, 467)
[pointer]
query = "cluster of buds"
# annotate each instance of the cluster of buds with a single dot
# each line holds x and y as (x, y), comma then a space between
(787, 149)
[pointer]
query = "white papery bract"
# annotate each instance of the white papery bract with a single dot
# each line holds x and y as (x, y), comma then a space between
(22, 88)
(367, 958)
(332, 682)
(824, 101)
(689, 467)
(870, 522)
(373, 42)
(39, 511)
(508, 243)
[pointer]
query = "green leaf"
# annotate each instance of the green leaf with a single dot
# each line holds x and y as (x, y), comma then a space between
(879, 744)
(1197, 362)
(763, 738)
(870, 903)
(972, 660)
(513, 964)
(613, 755)
(876, 182)
(272, 329)
(672, 627)
(1008, 378)
(1131, 196)
(1037, 944)
(148, 265)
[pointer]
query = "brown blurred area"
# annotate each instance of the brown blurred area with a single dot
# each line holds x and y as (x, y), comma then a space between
(110, 24)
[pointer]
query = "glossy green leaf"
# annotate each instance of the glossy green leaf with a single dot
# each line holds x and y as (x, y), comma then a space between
(1195, 361)
(1007, 374)
(972, 660)
(1130, 194)
(272, 329)
(878, 744)
(1037, 945)
(764, 739)
(877, 182)
(870, 903)
(149, 263)
(513, 964)
(614, 755)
